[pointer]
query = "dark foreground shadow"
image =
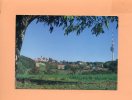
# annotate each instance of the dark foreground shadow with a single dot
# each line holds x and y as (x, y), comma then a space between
(49, 82)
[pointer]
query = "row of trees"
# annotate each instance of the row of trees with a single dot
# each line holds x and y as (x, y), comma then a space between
(28, 66)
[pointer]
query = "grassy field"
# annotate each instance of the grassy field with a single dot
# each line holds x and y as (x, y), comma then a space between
(46, 75)
(91, 81)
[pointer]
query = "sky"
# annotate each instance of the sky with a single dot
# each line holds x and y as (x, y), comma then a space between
(38, 42)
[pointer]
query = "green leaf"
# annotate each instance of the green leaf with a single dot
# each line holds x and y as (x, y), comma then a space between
(107, 24)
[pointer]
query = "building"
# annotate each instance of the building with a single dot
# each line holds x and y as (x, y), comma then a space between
(61, 66)
(42, 59)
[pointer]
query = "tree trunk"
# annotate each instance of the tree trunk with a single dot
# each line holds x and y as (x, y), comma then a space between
(22, 23)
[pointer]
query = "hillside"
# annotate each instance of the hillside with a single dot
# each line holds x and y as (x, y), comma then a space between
(25, 65)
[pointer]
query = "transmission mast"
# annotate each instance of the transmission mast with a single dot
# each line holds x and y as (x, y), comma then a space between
(112, 47)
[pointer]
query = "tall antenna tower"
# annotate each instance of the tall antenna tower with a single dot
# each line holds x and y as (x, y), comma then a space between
(112, 46)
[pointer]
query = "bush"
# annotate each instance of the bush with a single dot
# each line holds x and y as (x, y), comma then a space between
(25, 65)
(111, 65)
(50, 68)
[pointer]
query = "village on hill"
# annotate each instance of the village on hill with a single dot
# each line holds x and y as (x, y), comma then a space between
(91, 66)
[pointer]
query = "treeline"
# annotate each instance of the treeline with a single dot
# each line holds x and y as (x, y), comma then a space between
(26, 65)
(111, 65)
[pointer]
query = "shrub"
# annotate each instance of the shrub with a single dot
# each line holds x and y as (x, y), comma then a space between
(25, 65)
(111, 65)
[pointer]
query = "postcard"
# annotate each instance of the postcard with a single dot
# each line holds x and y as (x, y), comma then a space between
(65, 49)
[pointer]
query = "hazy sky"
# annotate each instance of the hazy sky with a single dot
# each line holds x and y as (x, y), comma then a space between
(86, 47)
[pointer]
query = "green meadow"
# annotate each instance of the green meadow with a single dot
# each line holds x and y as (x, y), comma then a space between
(62, 81)
(47, 76)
